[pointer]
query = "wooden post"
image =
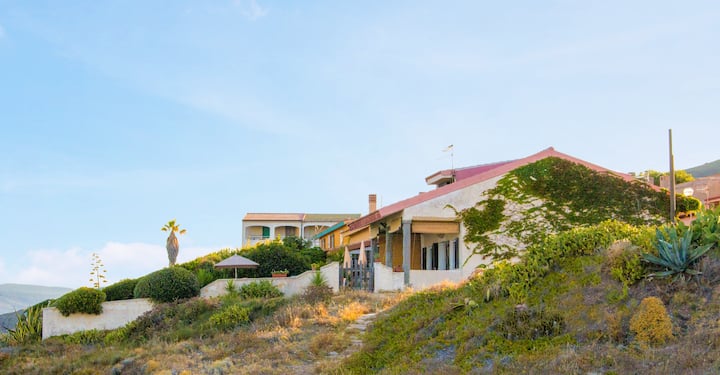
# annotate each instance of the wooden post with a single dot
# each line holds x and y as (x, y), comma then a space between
(388, 249)
(672, 179)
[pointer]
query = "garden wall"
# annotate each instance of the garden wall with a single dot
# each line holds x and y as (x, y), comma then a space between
(290, 286)
(387, 280)
(115, 314)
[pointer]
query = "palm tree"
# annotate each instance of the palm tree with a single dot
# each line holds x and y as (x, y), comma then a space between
(172, 245)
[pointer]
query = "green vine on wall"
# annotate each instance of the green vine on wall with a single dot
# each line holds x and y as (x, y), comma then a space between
(553, 195)
(481, 220)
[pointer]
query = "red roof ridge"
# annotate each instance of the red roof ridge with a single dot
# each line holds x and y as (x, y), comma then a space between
(472, 180)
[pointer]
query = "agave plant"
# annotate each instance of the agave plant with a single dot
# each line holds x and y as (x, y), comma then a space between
(28, 328)
(676, 255)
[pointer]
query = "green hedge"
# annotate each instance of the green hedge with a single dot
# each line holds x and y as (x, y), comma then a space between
(168, 285)
(82, 300)
(259, 289)
(121, 290)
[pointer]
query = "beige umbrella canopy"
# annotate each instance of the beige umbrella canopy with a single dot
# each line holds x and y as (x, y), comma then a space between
(236, 261)
(363, 257)
(347, 261)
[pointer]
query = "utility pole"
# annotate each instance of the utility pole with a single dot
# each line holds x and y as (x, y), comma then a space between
(672, 180)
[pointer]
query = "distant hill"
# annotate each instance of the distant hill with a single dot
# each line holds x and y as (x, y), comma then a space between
(19, 296)
(8, 320)
(707, 169)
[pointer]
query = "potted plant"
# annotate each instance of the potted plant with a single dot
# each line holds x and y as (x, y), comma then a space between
(280, 273)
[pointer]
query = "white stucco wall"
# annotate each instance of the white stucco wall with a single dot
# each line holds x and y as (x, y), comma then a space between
(386, 280)
(420, 279)
(290, 286)
(115, 314)
(437, 207)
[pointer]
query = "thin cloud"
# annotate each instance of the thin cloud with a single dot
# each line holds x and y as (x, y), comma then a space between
(71, 268)
(244, 110)
(251, 9)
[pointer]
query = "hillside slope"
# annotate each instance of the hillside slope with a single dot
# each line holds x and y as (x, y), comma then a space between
(563, 310)
(707, 169)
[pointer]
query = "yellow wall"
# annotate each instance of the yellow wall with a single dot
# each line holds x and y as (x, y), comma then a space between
(336, 235)
(254, 231)
(396, 250)
(415, 252)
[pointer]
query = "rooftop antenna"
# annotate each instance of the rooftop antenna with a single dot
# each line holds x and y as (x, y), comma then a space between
(452, 161)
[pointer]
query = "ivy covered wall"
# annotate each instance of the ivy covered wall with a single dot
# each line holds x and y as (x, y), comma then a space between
(553, 195)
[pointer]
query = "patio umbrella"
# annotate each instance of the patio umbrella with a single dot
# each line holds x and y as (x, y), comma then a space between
(347, 262)
(363, 258)
(236, 261)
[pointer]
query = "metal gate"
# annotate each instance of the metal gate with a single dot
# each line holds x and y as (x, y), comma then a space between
(358, 277)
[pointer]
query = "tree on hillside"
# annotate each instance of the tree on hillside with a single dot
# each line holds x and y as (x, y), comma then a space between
(172, 245)
(683, 176)
(680, 176)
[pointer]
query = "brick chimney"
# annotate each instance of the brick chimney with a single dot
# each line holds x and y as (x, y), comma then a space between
(372, 203)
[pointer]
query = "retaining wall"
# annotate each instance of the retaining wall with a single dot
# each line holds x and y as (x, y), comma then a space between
(290, 286)
(115, 314)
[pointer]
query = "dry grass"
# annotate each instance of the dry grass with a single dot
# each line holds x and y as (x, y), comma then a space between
(298, 338)
(327, 342)
(353, 311)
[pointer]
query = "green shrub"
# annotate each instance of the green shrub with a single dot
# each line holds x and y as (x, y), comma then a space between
(275, 255)
(705, 228)
(230, 317)
(121, 290)
(91, 336)
(259, 289)
(118, 335)
(624, 260)
(651, 323)
(530, 324)
(167, 320)
(168, 285)
(515, 280)
(205, 277)
(82, 300)
(318, 290)
(231, 288)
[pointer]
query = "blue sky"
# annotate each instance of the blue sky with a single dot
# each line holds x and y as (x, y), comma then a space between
(117, 116)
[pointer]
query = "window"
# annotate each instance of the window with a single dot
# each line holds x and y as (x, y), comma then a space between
(456, 249)
(435, 256)
(445, 254)
(332, 241)
(423, 259)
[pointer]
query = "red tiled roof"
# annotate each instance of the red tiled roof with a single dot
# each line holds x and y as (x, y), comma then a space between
(465, 172)
(494, 170)
(272, 217)
(330, 218)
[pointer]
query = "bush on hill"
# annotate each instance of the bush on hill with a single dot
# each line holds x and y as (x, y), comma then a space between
(259, 289)
(121, 290)
(82, 300)
(291, 253)
(168, 285)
